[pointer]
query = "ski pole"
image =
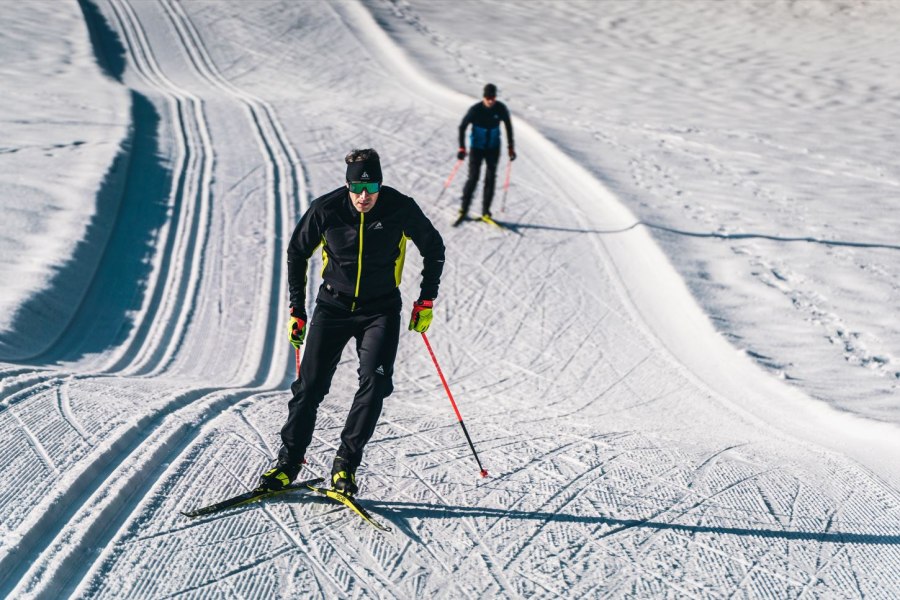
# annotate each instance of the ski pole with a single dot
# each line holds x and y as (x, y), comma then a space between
(297, 352)
(453, 402)
(452, 175)
(506, 186)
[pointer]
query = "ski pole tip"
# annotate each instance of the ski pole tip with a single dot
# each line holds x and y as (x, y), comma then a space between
(484, 473)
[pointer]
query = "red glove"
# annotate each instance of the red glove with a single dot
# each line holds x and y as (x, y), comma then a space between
(421, 316)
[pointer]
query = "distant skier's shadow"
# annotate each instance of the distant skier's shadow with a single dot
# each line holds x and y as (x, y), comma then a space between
(412, 510)
(518, 227)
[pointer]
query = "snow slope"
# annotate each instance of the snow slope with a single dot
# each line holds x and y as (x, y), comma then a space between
(751, 140)
(624, 460)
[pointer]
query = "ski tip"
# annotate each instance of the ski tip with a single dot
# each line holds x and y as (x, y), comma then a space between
(484, 473)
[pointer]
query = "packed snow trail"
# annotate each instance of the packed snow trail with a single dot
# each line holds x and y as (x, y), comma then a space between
(616, 468)
(749, 138)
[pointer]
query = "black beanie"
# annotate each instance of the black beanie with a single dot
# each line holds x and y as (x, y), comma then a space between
(490, 91)
(368, 170)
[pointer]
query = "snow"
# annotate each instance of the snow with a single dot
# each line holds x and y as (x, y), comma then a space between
(58, 144)
(679, 365)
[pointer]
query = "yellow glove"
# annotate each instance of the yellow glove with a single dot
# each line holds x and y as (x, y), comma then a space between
(296, 331)
(421, 316)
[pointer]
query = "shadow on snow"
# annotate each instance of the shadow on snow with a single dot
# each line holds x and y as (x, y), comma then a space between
(412, 510)
(105, 279)
(516, 227)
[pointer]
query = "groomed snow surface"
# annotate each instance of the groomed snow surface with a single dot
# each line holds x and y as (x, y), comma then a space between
(678, 364)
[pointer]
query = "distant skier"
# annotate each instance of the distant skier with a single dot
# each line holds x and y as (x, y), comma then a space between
(484, 145)
(362, 227)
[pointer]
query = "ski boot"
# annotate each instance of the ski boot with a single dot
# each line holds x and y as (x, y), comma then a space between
(343, 476)
(281, 475)
(460, 217)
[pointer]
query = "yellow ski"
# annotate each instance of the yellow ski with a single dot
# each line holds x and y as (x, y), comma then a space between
(352, 504)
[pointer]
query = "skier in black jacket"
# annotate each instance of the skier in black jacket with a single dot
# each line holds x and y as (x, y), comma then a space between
(484, 145)
(362, 227)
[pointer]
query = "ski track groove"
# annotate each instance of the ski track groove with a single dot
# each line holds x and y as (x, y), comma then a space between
(36, 444)
(22, 385)
(30, 390)
(64, 404)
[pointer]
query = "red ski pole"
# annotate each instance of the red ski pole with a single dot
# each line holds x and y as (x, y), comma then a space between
(297, 352)
(452, 175)
(506, 186)
(484, 472)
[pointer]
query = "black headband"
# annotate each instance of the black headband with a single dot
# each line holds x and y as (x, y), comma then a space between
(364, 170)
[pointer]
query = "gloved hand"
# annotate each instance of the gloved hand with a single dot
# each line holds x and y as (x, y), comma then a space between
(461, 154)
(512, 153)
(421, 316)
(297, 330)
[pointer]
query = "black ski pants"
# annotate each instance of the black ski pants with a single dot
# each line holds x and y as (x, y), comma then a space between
(377, 334)
(490, 156)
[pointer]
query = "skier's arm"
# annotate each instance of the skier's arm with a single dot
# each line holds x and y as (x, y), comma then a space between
(306, 238)
(430, 245)
(507, 122)
(462, 128)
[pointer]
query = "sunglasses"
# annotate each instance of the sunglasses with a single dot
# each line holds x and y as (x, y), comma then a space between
(357, 187)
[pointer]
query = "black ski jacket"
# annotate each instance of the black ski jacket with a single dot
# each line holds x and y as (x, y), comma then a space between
(486, 126)
(363, 253)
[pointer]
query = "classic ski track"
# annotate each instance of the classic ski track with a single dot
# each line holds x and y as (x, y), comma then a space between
(98, 510)
(170, 327)
(279, 156)
(127, 18)
(52, 523)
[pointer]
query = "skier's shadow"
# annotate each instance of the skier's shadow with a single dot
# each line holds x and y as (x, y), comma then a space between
(518, 227)
(403, 511)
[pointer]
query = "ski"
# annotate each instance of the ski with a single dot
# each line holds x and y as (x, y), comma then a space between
(491, 221)
(350, 503)
(251, 496)
(501, 226)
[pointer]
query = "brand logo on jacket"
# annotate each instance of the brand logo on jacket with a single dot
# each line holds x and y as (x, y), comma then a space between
(377, 225)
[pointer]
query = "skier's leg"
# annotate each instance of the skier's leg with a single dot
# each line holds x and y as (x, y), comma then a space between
(475, 157)
(491, 158)
(376, 345)
(329, 331)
